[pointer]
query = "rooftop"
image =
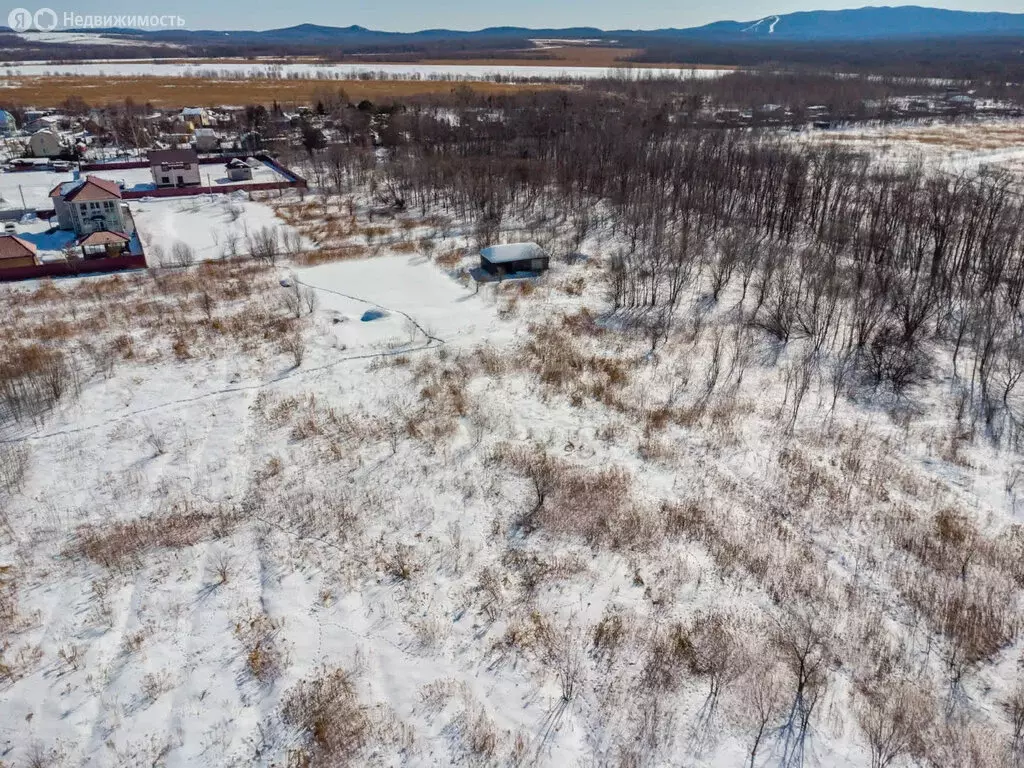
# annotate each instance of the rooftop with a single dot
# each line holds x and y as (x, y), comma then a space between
(93, 188)
(104, 238)
(13, 247)
(502, 254)
(160, 156)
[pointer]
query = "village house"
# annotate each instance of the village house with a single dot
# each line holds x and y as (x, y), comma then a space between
(46, 122)
(91, 205)
(175, 167)
(15, 252)
(206, 140)
(47, 143)
(197, 117)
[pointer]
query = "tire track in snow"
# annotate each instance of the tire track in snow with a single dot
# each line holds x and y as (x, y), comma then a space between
(431, 343)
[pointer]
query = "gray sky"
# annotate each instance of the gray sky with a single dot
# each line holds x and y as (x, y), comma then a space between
(411, 15)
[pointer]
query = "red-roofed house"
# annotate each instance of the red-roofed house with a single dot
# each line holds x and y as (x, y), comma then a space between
(15, 252)
(91, 205)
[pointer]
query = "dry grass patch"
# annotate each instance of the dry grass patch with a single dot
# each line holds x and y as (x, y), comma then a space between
(176, 92)
(569, 499)
(123, 546)
(333, 254)
(332, 725)
(558, 354)
(257, 633)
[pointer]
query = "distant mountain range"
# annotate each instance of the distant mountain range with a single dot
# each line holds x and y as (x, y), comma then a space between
(861, 24)
(871, 23)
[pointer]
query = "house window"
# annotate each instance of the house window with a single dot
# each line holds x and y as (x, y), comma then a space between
(94, 206)
(165, 180)
(186, 166)
(108, 205)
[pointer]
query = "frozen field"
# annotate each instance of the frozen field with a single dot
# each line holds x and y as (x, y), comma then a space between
(951, 147)
(233, 70)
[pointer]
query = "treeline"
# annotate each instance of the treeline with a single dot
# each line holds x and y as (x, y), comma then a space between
(987, 59)
(691, 101)
(881, 277)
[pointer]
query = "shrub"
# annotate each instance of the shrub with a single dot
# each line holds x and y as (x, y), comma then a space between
(258, 634)
(329, 718)
(33, 379)
(122, 545)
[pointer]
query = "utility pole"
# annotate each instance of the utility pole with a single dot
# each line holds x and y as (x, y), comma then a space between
(22, 193)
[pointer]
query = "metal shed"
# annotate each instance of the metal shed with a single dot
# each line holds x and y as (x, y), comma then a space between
(513, 258)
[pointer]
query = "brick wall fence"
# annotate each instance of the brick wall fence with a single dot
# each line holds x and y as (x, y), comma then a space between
(297, 182)
(73, 268)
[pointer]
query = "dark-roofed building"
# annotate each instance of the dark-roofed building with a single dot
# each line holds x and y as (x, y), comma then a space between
(175, 167)
(500, 260)
(15, 252)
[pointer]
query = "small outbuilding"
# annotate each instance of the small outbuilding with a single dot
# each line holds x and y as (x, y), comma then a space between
(15, 252)
(239, 170)
(513, 258)
(103, 245)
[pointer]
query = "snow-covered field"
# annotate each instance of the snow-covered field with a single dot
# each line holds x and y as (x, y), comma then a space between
(966, 145)
(212, 226)
(243, 70)
(369, 513)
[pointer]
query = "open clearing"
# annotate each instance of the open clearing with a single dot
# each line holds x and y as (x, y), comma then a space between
(952, 147)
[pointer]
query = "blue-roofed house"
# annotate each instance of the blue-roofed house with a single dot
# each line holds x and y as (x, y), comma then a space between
(7, 124)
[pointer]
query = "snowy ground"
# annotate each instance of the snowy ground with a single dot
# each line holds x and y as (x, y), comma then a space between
(524, 538)
(88, 38)
(212, 226)
(965, 145)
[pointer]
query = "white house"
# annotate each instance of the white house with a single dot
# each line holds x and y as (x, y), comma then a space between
(46, 143)
(197, 116)
(206, 140)
(91, 205)
(175, 168)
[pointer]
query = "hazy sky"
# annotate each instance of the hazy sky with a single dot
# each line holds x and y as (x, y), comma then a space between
(409, 15)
